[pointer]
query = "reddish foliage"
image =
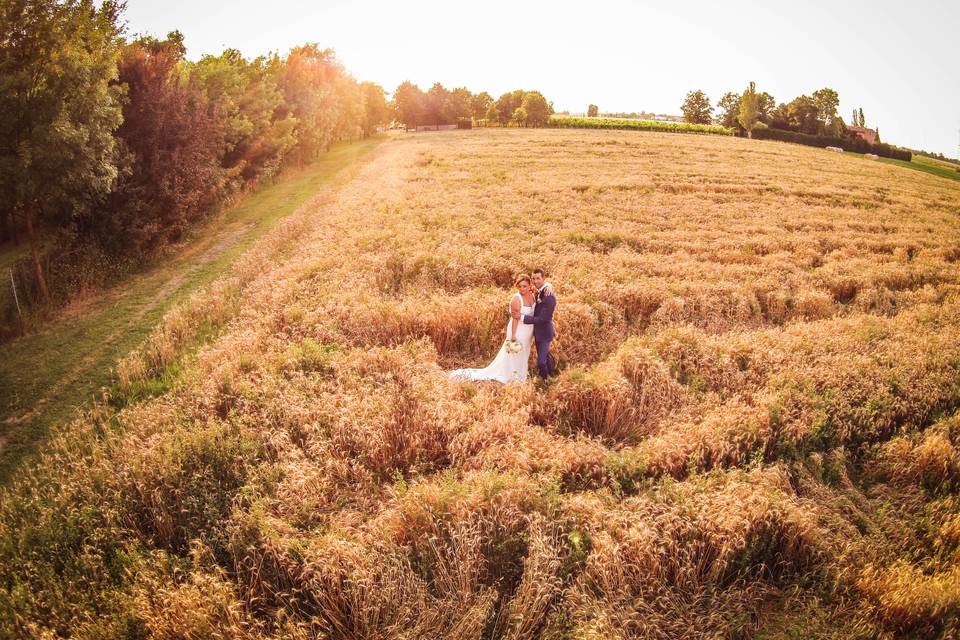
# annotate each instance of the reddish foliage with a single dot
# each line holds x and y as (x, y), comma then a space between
(174, 138)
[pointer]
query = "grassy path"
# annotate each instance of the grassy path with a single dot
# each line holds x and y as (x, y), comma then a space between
(46, 377)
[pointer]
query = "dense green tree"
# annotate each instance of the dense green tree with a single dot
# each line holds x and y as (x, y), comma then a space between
(60, 106)
(461, 103)
(349, 108)
(493, 113)
(803, 115)
(175, 144)
(437, 105)
(308, 78)
(765, 106)
(480, 104)
(519, 117)
(863, 122)
(257, 130)
(780, 117)
(441, 106)
(375, 109)
(592, 111)
(409, 104)
(508, 103)
(696, 108)
(814, 115)
(537, 109)
(827, 102)
(729, 106)
(839, 128)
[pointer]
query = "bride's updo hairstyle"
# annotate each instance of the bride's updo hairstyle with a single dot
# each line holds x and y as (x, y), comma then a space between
(521, 278)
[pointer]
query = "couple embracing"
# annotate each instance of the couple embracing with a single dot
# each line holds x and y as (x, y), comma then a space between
(531, 320)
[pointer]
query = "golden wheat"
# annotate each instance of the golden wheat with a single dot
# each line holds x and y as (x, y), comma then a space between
(759, 353)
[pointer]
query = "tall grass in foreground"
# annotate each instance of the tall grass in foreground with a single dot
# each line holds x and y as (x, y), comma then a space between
(754, 428)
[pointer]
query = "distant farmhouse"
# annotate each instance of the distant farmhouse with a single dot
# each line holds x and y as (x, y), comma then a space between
(870, 135)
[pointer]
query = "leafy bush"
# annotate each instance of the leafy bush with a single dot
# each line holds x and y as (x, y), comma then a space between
(858, 145)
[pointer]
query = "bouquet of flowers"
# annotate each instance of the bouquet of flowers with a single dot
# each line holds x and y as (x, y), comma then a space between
(513, 346)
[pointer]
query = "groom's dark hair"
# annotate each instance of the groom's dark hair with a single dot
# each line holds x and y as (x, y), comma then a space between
(540, 271)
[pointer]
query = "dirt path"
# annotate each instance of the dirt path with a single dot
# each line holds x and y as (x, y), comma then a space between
(168, 288)
(47, 376)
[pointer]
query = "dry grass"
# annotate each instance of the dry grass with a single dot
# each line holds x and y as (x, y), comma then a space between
(753, 422)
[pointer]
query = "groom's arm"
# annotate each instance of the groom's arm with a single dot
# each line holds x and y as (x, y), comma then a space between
(547, 305)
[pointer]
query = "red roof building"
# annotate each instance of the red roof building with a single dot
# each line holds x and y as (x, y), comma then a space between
(862, 132)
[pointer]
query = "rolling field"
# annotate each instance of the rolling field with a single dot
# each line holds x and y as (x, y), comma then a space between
(754, 431)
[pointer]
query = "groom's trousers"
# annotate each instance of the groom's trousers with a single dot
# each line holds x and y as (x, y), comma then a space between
(543, 358)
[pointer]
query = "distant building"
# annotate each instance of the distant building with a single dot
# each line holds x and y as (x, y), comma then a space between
(863, 133)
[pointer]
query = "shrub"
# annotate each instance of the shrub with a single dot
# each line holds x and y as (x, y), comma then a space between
(858, 145)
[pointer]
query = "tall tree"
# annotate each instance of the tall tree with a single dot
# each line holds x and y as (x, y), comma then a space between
(827, 102)
(348, 104)
(749, 112)
(863, 122)
(58, 155)
(537, 109)
(803, 115)
(308, 79)
(493, 113)
(696, 108)
(780, 117)
(479, 105)
(765, 106)
(519, 117)
(375, 108)
(592, 111)
(508, 103)
(409, 104)
(461, 103)
(437, 105)
(175, 144)
(245, 95)
(729, 106)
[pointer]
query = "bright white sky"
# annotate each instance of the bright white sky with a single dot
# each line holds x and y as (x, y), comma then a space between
(897, 60)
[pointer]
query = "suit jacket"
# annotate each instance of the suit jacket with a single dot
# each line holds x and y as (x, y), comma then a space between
(542, 318)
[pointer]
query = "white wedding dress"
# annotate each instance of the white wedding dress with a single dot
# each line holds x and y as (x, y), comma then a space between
(506, 367)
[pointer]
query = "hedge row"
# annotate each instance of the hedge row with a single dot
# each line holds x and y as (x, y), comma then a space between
(847, 144)
(572, 122)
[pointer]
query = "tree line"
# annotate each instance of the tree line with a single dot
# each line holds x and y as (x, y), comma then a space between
(814, 114)
(116, 146)
(438, 106)
(810, 120)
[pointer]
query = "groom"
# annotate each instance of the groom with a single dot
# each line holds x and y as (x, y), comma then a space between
(542, 321)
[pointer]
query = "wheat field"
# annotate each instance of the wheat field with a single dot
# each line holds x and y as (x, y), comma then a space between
(753, 432)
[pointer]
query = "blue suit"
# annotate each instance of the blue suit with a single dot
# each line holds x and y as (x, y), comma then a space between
(543, 332)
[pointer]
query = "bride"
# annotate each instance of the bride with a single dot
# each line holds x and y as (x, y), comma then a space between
(509, 367)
